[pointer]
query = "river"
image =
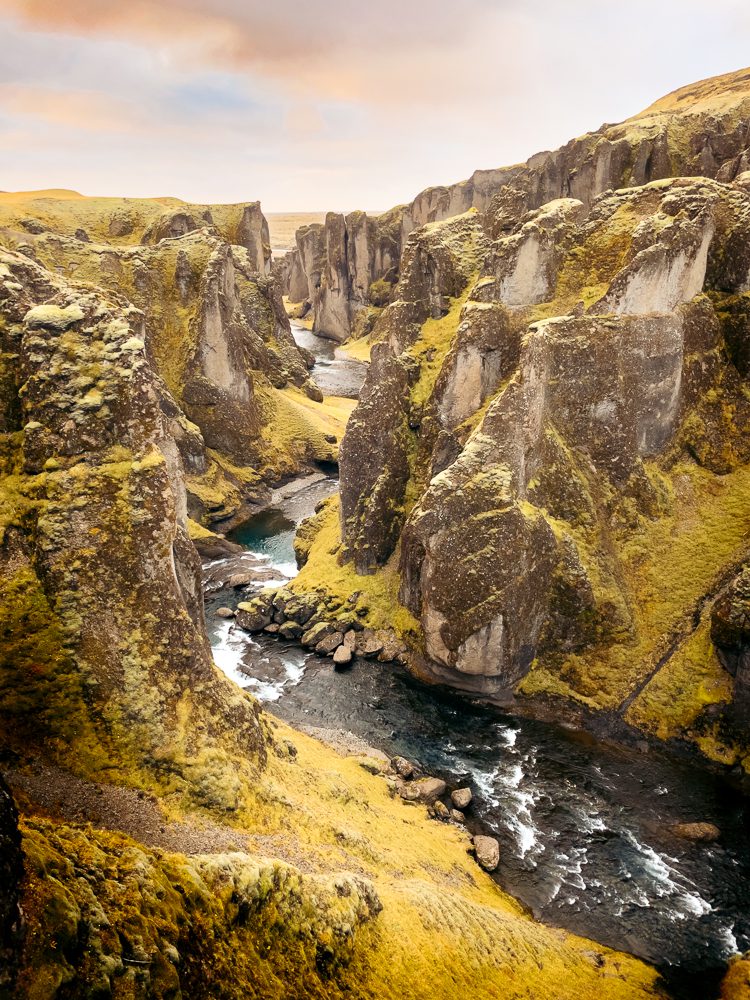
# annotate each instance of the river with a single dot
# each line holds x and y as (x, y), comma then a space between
(584, 827)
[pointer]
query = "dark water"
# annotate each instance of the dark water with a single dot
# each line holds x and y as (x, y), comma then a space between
(335, 375)
(584, 827)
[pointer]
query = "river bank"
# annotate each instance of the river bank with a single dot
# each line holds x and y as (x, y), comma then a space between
(586, 828)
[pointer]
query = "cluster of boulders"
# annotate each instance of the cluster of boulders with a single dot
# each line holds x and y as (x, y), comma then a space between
(447, 806)
(305, 618)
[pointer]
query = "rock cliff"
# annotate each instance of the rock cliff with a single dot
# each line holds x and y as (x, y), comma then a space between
(550, 455)
(214, 328)
(701, 130)
(176, 842)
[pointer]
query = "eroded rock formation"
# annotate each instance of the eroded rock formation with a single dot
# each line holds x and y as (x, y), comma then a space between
(700, 130)
(101, 584)
(551, 450)
(214, 328)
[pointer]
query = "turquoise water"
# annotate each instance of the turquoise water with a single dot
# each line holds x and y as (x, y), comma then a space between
(270, 533)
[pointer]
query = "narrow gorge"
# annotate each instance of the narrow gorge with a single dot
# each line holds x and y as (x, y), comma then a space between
(376, 615)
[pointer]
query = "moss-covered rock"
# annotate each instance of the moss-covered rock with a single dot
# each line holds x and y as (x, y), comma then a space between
(529, 457)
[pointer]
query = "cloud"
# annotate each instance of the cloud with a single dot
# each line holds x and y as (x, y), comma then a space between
(85, 110)
(344, 50)
(338, 104)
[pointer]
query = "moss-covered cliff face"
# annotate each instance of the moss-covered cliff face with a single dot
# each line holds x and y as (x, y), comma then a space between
(700, 130)
(176, 842)
(555, 453)
(95, 547)
(214, 328)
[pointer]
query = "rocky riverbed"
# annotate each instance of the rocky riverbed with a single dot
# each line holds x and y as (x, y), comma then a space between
(635, 849)
(587, 831)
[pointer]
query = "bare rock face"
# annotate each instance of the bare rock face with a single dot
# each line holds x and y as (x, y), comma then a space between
(375, 466)
(341, 269)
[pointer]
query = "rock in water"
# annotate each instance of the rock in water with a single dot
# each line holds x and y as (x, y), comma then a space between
(487, 852)
(403, 767)
(426, 790)
(701, 832)
(461, 798)
(331, 643)
(342, 657)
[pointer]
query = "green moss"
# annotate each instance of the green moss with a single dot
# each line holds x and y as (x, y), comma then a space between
(42, 695)
(156, 924)
(380, 292)
(590, 267)
(327, 573)
(666, 567)
(691, 679)
(431, 349)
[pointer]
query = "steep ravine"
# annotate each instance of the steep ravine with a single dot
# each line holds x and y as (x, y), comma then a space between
(584, 827)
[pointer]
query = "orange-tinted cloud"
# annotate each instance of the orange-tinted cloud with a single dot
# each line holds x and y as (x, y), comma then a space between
(342, 49)
(88, 110)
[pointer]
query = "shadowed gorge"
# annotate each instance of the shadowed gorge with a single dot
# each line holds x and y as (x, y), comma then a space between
(359, 605)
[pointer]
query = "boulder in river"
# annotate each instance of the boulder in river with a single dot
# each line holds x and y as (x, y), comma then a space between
(368, 644)
(317, 633)
(457, 816)
(290, 630)
(342, 657)
(487, 851)
(461, 798)
(441, 811)
(252, 617)
(403, 767)
(224, 613)
(704, 833)
(427, 790)
(330, 644)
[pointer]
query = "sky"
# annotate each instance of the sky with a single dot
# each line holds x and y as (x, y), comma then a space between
(329, 104)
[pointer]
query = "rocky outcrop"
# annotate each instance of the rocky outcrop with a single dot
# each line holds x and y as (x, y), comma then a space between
(375, 466)
(343, 271)
(701, 130)
(94, 503)
(545, 454)
(216, 331)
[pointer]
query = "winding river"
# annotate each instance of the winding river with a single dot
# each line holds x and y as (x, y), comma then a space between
(584, 827)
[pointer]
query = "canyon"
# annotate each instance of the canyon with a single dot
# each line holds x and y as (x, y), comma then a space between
(543, 502)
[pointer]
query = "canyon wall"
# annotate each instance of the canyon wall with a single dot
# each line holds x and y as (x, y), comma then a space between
(550, 451)
(701, 130)
(160, 837)
(214, 328)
